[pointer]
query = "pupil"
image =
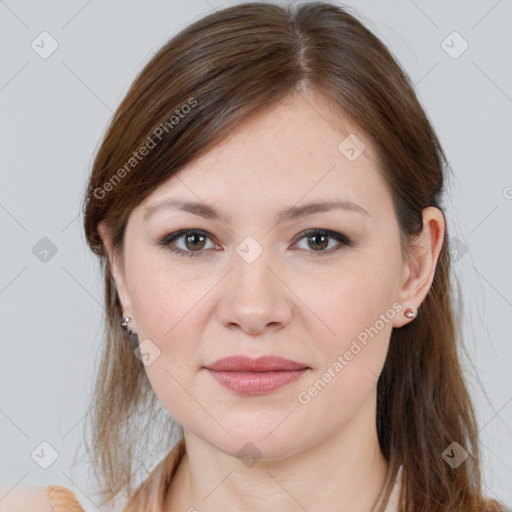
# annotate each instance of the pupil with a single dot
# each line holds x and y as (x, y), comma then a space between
(323, 243)
(190, 237)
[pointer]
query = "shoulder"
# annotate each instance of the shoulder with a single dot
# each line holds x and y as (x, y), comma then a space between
(50, 498)
(24, 499)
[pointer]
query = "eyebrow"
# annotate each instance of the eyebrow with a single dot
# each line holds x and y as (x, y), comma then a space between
(209, 212)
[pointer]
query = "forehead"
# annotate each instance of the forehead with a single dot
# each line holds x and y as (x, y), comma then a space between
(291, 152)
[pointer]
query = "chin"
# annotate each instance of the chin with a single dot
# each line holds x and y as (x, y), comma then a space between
(254, 442)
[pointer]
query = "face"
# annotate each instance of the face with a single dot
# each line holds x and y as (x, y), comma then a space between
(323, 288)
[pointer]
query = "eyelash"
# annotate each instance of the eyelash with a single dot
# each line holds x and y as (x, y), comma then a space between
(168, 239)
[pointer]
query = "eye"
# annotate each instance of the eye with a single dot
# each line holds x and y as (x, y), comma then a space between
(194, 241)
(319, 239)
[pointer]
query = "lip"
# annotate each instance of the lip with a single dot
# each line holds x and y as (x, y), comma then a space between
(240, 363)
(248, 376)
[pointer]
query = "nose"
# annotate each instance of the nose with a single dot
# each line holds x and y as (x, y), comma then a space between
(254, 297)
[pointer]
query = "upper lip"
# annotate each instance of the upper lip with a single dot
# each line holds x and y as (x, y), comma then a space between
(247, 364)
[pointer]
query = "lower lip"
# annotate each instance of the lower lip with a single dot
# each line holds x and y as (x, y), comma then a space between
(256, 383)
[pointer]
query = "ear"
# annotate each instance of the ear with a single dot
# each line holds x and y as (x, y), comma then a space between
(419, 269)
(117, 268)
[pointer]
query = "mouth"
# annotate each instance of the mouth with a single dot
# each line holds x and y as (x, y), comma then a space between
(248, 376)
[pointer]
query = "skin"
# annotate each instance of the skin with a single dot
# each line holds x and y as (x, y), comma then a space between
(293, 301)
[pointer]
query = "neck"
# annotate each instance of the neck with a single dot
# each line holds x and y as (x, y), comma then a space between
(345, 471)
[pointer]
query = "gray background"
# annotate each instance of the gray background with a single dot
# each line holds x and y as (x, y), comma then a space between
(53, 113)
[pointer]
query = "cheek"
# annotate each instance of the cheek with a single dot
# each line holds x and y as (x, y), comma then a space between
(358, 313)
(166, 306)
(159, 296)
(164, 314)
(353, 299)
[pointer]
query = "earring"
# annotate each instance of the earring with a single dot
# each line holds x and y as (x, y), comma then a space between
(409, 313)
(125, 326)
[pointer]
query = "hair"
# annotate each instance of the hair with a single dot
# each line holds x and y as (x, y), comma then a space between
(196, 89)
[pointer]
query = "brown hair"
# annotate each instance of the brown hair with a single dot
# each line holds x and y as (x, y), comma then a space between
(193, 91)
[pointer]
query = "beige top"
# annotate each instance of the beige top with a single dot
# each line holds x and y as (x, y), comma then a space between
(147, 495)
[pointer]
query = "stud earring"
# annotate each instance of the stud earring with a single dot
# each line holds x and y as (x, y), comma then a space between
(409, 313)
(125, 326)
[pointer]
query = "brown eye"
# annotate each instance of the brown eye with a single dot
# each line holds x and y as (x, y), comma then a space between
(318, 241)
(193, 242)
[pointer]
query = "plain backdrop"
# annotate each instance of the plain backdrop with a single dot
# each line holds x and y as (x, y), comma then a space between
(53, 112)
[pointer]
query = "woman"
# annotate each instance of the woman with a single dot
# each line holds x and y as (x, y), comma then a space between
(266, 206)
